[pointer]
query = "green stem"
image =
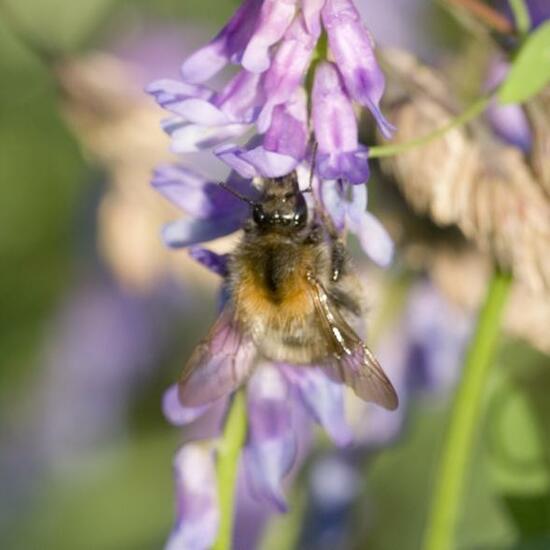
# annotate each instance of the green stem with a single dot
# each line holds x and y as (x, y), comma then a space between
(228, 459)
(465, 414)
(521, 16)
(472, 112)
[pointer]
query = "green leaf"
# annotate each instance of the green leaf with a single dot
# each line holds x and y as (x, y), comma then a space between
(531, 69)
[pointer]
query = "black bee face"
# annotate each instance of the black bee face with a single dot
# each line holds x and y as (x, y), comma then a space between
(282, 205)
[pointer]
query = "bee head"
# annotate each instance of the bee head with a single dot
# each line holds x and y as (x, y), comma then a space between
(282, 204)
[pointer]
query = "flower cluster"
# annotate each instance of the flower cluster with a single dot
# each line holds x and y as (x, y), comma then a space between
(303, 64)
(287, 50)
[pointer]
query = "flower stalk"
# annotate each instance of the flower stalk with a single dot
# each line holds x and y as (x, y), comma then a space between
(469, 114)
(229, 451)
(465, 414)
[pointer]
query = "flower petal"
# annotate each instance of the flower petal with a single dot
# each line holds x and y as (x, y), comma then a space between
(177, 414)
(358, 204)
(352, 166)
(199, 197)
(216, 263)
(228, 45)
(184, 188)
(373, 237)
(198, 514)
(353, 51)
(258, 162)
(288, 133)
(333, 116)
(188, 231)
(241, 97)
(170, 93)
(311, 10)
(272, 447)
(511, 124)
(286, 71)
(190, 138)
(232, 155)
(275, 16)
(202, 112)
(323, 398)
(333, 200)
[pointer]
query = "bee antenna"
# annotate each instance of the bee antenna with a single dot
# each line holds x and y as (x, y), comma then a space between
(237, 194)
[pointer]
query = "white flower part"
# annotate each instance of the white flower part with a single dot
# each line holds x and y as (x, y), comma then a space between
(268, 383)
(198, 513)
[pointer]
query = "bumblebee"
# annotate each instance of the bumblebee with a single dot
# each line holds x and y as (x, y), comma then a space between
(293, 299)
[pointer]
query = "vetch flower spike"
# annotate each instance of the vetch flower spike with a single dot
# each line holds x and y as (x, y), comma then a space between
(274, 41)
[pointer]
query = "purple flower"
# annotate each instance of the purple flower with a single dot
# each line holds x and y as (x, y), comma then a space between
(227, 46)
(197, 512)
(274, 42)
(287, 70)
(277, 396)
(347, 207)
(353, 50)
(275, 17)
(509, 122)
(283, 147)
(336, 129)
(212, 211)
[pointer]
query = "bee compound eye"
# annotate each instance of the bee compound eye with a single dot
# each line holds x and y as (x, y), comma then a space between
(258, 214)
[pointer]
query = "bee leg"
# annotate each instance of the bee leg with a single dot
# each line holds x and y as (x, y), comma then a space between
(338, 259)
(314, 235)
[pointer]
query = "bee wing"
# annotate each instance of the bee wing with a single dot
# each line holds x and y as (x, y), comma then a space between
(218, 365)
(353, 363)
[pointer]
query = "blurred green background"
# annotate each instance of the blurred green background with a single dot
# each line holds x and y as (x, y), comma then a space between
(116, 492)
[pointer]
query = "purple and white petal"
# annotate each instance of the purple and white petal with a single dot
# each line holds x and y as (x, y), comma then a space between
(323, 398)
(373, 237)
(351, 166)
(191, 138)
(199, 197)
(231, 154)
(197, 509)
(170, 93)
(311, 10)
(335, 127)
(272, 447)
(177, 414)
(228, 45)
(333, 200)
(184, 188)
(509, 122)
(217, 263)
(287, 70)
(353, 51)
(332, 111)
(257, 162)
(273, 21)
(241, 98)
(188, 231)
(288, 133)
(201, 112)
